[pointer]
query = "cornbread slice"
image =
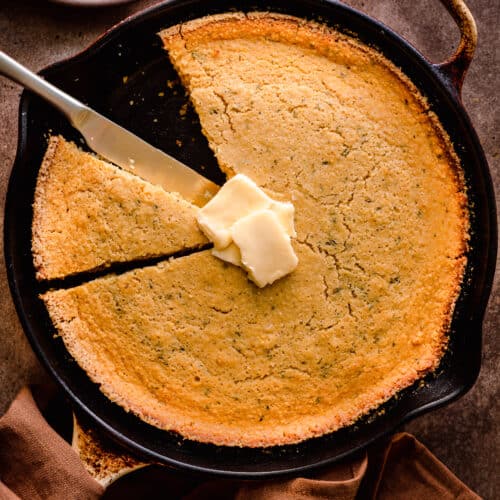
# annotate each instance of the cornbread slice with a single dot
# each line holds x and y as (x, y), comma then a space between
(380, 212)
(88, 214)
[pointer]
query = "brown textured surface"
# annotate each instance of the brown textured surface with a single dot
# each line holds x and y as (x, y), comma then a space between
(465, 434)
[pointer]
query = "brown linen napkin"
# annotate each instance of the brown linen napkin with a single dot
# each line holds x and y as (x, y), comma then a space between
(36, 463)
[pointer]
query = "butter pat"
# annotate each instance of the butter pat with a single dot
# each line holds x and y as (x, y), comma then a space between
(237, 198)
(230, 254)
(251, 230)
(266, 252)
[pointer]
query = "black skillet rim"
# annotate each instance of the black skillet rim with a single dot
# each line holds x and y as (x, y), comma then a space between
(474, 317)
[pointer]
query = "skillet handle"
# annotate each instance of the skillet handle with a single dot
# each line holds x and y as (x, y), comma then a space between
(103, 460)
(454, 69)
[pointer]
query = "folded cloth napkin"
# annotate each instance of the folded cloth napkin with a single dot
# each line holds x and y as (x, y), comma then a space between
(36, 463)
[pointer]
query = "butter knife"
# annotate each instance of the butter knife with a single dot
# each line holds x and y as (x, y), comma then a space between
(114, 143)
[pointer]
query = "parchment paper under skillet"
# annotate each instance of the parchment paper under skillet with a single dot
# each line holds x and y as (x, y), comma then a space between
(132, 52)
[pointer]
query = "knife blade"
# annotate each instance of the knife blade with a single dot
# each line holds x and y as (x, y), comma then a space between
(115, 143)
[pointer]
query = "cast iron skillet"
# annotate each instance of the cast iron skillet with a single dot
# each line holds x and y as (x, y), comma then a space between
(122, 76)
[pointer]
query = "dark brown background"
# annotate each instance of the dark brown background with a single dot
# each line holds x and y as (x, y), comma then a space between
(465, 434)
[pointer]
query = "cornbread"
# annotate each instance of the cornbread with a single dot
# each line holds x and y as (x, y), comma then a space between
(327, 123)
(88, 214)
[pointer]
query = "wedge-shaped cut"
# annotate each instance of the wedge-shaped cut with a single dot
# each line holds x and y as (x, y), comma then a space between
(88, 214)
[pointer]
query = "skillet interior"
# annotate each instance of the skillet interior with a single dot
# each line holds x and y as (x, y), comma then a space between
(134, 51)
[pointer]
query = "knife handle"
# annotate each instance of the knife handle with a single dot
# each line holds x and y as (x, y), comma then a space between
(72, 108)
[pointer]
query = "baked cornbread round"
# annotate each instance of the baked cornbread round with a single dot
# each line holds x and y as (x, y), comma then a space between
(88, 214)
(321, 120)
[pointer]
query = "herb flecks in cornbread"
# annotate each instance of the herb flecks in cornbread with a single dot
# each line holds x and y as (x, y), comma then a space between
(330, 125)
(89, 214)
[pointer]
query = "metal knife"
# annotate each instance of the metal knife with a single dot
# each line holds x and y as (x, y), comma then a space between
(114, 143)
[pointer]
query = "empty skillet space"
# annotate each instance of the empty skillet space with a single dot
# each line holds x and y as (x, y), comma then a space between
(152, 103)
(110, 97)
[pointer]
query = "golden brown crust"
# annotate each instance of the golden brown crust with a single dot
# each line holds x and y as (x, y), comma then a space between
(381, 218)
(39, 201)
(125, 218)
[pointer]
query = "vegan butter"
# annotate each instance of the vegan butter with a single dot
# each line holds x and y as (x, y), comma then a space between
(251, 230)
